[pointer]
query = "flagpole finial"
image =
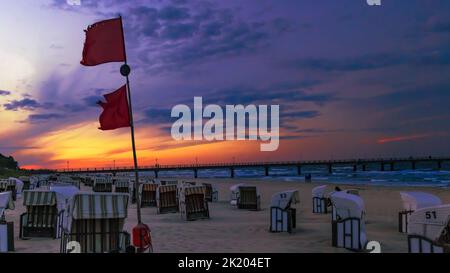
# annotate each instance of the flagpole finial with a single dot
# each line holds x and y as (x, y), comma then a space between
(125, 70)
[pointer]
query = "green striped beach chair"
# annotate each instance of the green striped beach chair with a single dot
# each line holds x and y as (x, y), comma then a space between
(96, 223)
(167, 199)
(193, 204)
(41, 217)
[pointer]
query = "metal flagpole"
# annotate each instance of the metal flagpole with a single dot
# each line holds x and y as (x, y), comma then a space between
(125, 71)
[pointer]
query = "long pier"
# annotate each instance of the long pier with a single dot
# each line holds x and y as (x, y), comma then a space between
(385, 164)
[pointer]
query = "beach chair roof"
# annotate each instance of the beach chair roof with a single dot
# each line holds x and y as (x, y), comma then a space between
(319, 191)
(235, 188)
(64, 194)
(99, 206)
(6, 202)
(123, 182)
(413, 200)
(39, 198)
(167, 188)
(347, 205)
(284, 199)
(429, 222)
(189, 190)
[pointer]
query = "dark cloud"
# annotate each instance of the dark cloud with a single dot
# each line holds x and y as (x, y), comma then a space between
(44, 117)
(4, 93)
(26, 104)
(173, 13)
(439, 56)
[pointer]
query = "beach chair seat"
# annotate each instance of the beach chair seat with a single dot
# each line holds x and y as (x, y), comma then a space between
(102, 184)
(248, 198)
(282, 215)
(96, 223)
(148, 194)
(429, 230)
(167, 199)
(6, 228)
(41, 216)
(193, 204)
(348, 222)
(320, 201)
(411, 202)
(211, 194)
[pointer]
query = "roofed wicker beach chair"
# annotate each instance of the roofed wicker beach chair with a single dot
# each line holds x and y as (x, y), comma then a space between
(320, 201)
(26, 182)
(9, 185)
(429, 230)
(413, 201)
(193, 205)
(282, 214)
(6, 228)
(102, 184)
(348, 221)
(148, 194)
(248, 198)
(64, 193)
(211, 193)
(123, 185)
(42, 216)
(167, 199)
(95, 223)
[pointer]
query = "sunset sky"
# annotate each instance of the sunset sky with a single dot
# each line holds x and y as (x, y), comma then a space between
(352, 81)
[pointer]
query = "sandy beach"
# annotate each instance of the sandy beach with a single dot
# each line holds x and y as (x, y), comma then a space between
(233, 230)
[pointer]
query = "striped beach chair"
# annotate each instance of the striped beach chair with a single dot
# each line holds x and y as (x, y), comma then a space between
(96, 223)
(248, 198)
(148, 194)
(211, 194)
(102, 184)
(193, 204)
(167, 199)
(41, 218)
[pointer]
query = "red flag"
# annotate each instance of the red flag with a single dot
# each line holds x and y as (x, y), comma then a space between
(104, 43)
(115, 111)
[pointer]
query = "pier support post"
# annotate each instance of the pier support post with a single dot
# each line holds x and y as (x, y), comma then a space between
(439, 163)
(266, 170)
(232, 172)
(156, 174)
(330, 168)
(299, 169)
(364, 167)
(382, 166)
(413, 165)
(195, 173)
(355, 168)
(392, 166)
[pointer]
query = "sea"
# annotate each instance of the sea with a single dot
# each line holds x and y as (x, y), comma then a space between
(425, 175)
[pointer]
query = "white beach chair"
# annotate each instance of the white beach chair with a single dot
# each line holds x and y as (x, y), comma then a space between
(429, 230)
(235, 193)
(6, 228)
(282, 215)
(193, 204)
(413, 201)
(348, 229)
(102, 184)
(96, 223)
(64, 194)
(320, 201)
